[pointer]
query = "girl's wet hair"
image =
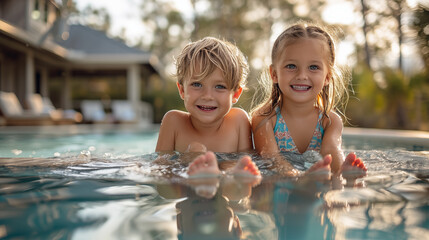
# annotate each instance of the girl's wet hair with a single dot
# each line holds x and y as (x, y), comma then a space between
(199, 59)
(332, 95)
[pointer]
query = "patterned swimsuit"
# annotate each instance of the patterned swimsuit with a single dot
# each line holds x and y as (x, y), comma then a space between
(284, 139)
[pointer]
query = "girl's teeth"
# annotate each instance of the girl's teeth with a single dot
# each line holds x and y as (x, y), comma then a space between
(301, 88)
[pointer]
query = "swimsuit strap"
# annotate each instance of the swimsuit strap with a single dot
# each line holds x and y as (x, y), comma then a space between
(316, 140)
(281, 133)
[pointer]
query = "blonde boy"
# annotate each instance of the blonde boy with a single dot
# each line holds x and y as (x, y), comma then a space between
(211, 75)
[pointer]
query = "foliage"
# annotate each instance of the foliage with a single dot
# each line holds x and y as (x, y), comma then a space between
(392, 101)
(163, 98)
(98, 19)
(421, 26)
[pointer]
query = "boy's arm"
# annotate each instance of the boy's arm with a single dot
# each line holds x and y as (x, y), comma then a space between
(245, 130)
(331, 143)
(166, 138)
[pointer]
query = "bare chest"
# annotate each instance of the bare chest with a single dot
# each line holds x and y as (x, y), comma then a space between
(221, 140)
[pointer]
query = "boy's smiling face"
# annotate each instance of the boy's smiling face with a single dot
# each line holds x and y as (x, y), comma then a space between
(209, 99)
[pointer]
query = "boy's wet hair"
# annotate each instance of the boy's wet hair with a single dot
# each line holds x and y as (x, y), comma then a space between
(199, 59)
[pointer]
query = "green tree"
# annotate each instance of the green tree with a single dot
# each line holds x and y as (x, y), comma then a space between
(98, 19)
(421, 26)
(383, 27)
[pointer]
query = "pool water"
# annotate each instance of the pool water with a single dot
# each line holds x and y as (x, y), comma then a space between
(71, 141)
(103, 184)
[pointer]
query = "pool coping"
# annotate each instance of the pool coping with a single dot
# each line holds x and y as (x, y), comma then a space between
(407, 136)
(414, 136)
(78, 128)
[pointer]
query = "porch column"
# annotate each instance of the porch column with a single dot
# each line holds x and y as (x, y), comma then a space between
(29, 74)
(66, 90)
(133, 84)
(44, 82)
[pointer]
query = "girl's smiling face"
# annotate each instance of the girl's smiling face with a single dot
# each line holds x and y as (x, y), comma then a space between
(208, 100)
(301, 70)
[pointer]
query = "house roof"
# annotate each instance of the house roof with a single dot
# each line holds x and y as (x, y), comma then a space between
(87, 45)
(90, 41)
(83, 46)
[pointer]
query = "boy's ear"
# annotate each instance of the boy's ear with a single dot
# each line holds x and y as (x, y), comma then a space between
(237, 95)
(273, 74)
(181, 90)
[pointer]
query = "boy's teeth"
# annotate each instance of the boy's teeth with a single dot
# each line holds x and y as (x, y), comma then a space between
(206, 107)
(300, 87)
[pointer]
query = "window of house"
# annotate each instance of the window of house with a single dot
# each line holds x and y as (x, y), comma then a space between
(35, 14)
(40, 10)
(46, 11)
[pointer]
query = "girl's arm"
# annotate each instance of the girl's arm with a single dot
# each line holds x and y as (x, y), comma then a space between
(332, 139)
(263, 135)
(166, 138)
(266, 145)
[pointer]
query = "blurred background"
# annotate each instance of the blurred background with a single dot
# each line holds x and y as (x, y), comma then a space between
(385, 43)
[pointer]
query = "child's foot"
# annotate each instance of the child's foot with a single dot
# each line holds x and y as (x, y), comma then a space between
(246, 172)
(245, 176)
(204, 165)
(245, 167)
(321, 170)
(203, 174)
(353, 168)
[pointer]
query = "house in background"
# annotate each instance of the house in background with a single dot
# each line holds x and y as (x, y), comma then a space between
(41, 53)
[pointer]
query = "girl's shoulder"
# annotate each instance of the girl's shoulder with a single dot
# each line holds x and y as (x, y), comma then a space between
(263, 111)
(333, 120)
(262, 117)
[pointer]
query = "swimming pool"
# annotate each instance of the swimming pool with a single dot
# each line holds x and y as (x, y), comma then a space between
(99, 182)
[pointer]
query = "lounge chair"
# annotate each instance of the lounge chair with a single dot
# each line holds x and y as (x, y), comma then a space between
(14, 114)
(93, 111)
(39, 105)
(124, 111)
(146, 110)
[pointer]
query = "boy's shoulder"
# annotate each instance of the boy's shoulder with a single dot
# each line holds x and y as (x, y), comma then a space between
(175, 115)
(238, 113)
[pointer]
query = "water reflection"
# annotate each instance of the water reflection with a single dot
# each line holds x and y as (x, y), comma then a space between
(118, 198)
(208, 205)
(202, 218)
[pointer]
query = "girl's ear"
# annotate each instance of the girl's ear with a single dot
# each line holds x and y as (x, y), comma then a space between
(273, 74)
(237, 95)
(327, 79)
(181, 90)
